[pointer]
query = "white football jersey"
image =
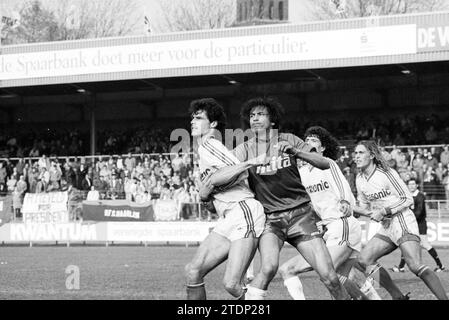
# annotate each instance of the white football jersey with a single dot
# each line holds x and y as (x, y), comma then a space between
(213, 155)
(384, 188)
(326, 189)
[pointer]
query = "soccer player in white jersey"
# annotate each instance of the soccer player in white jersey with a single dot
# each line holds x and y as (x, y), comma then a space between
(242, 218)
(332, 200)
(385, 198)
(277, 185)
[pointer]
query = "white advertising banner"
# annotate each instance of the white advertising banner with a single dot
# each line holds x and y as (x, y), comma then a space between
(281, 47)
(437, 231)
(48, 207)
(135, 232)
(433, 37)
(166, 210)
(158, 231)
(35, 232)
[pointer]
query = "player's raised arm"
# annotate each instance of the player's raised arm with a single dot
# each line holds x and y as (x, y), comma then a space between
(302, 152)
(228, 175)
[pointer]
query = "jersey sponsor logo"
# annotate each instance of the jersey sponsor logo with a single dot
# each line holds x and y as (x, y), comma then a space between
(204, 174)
(275, 164)
(321, 186)
(378, 195)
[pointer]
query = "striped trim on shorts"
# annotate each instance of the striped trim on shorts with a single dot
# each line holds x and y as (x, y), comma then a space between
(345, 236)
(403, 224)
(248, 218)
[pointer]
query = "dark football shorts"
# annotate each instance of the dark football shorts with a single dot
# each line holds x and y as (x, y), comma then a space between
(294, 226)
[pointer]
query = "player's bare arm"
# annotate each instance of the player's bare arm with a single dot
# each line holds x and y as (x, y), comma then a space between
(313, 158)
(227, 174)
(223, 177)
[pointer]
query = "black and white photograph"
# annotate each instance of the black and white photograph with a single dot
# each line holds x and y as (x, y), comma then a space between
(269, 150)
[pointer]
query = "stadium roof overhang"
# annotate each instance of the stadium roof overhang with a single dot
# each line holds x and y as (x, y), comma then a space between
(383, 51)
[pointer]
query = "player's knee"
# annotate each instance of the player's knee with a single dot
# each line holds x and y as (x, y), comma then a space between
(330, 279)
(192, 272)
(361, 263)
(269, 270)
(233, 287)
(415, 267)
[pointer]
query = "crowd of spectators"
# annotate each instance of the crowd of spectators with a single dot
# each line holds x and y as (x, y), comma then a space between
(136, 178)
(77, 143)
(148, 176)
(406, 130)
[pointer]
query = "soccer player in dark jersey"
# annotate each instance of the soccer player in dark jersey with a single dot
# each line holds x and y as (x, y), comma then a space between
(419, 209)
(242, 218)
(290, 216)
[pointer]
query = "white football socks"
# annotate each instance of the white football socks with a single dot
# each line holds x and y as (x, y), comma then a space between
(294, 287)
(254, 293)
(369, 291)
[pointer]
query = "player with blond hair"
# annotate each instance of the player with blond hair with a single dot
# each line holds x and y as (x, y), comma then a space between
(385, 198)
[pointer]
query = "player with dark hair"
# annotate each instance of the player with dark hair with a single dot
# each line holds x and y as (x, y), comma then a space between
(333, 200)
(385, 198)
(272, 107)
(277, 185)
(242, 219)
(212, 109)
(419, 209)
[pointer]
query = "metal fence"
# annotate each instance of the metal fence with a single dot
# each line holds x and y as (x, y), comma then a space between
(437, 208)
(199, 211)
(187, 211)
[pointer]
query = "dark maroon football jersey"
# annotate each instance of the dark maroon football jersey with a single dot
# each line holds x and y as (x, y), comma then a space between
(276, 185)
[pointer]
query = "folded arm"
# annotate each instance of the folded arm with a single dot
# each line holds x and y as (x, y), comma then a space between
(228, 176)
(303, 152)
(314, 159)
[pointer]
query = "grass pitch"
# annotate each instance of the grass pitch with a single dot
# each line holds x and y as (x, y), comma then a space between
(154, 272)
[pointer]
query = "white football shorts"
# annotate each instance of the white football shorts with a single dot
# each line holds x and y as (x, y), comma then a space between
(240, 220)
(402, 227)
(344, 231)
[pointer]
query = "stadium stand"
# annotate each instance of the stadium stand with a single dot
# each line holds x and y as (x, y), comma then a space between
(53, 160)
